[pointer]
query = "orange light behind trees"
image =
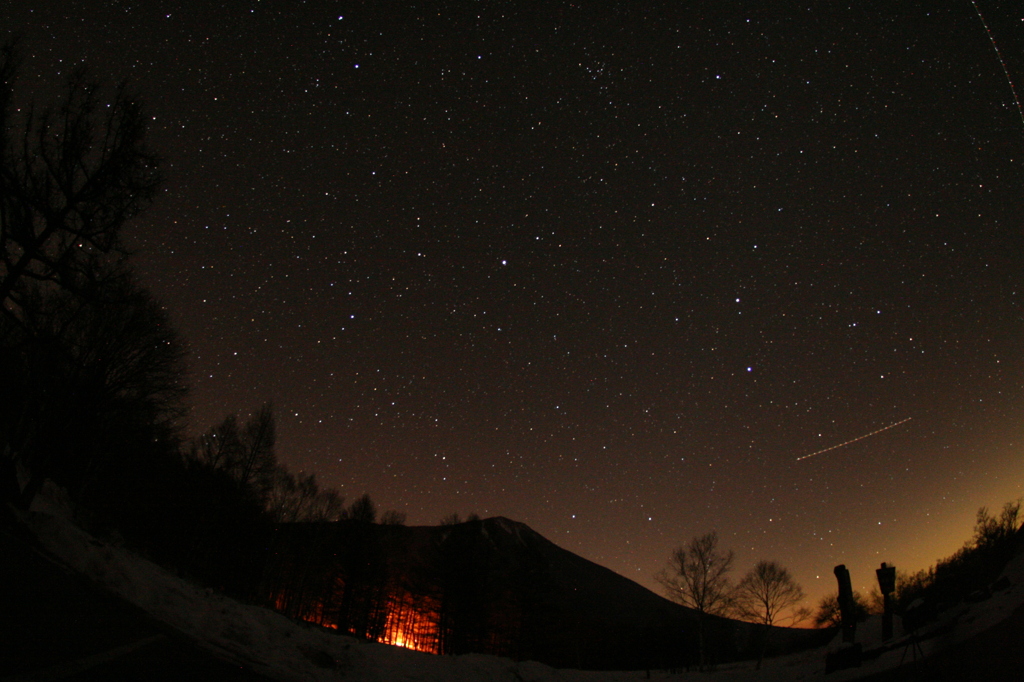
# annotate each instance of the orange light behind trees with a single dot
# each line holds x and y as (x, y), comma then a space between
(410, 625)
(409, 621)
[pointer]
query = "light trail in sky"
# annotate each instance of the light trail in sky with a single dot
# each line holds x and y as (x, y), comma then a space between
(999, 54)
(854, 440)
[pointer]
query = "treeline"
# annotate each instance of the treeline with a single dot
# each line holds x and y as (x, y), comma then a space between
(237, 492)
(93, 373)
(246, 456)
(970, 573)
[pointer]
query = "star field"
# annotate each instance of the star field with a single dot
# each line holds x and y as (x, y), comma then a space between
(607, 270)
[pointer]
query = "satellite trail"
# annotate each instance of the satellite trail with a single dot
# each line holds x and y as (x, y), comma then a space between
(866, 435)
(992, 39)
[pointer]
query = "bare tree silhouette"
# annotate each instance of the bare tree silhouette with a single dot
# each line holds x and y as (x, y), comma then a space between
(765, 595)
(71, 176)
(697, 577)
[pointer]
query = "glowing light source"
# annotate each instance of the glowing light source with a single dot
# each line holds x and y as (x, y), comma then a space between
(410, 627)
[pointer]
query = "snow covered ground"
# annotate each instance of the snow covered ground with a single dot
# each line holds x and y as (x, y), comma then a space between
(276, 647)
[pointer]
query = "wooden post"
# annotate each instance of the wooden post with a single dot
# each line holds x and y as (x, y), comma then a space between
(846, 607)
(887, 585)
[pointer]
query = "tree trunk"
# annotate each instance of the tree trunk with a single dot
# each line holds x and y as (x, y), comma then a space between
(764, 647)
(702, 658)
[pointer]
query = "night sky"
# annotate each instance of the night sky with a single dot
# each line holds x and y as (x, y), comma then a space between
(606, 269)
